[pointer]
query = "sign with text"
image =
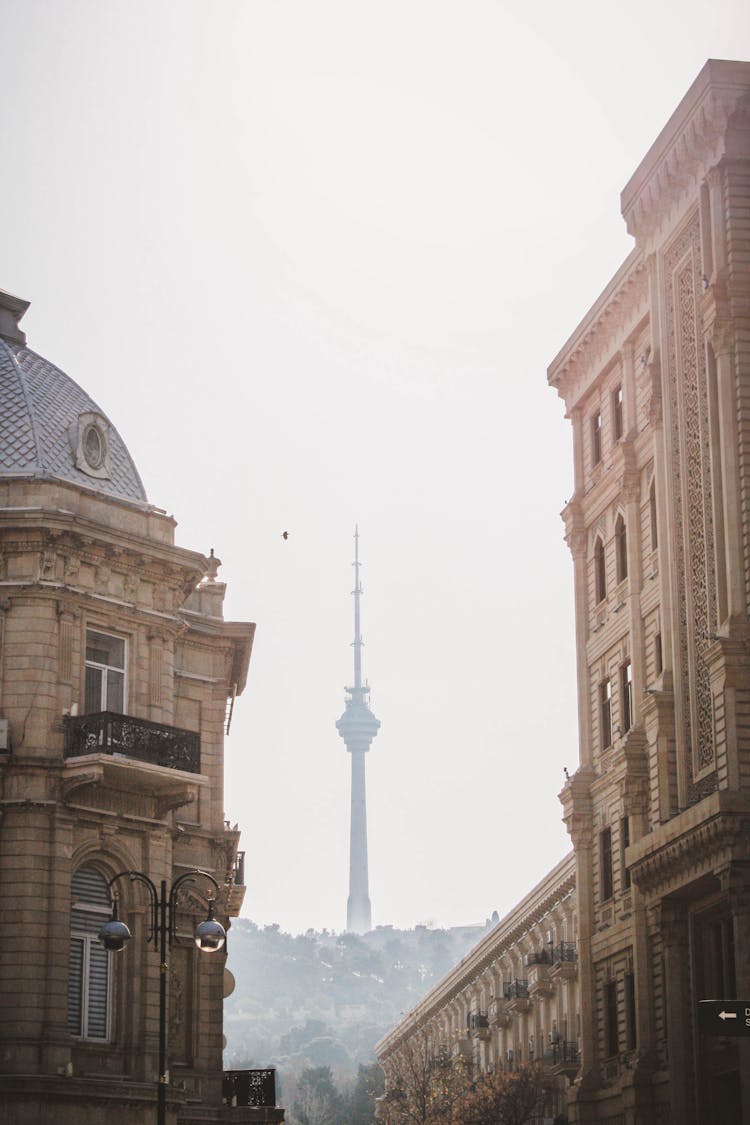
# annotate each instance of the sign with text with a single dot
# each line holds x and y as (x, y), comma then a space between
(724, 1017)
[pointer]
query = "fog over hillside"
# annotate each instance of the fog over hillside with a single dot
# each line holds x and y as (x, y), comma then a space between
(324, 999)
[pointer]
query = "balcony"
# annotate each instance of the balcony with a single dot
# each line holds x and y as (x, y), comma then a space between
(479, 1025)
(131, 753)
(563, 1057)
(516, 993)
(564, 961)
(236, 884)
(462, 1050)
(541, 985)
(498, 1013)
(110, 733)
(256, 1088)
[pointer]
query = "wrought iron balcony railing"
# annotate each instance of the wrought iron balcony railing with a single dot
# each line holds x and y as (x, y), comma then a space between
(109, 733)
(516, 990)
(564, 951)
(539, 957)
(562, 1053)
(249, 1088)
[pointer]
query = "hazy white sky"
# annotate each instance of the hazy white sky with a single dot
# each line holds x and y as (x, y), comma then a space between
(312, 259)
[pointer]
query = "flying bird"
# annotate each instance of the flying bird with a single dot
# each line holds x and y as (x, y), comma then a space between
(285, 535)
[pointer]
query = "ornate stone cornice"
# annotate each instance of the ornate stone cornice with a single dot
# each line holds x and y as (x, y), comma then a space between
(705, 847)
(694, 139)
(602, 333)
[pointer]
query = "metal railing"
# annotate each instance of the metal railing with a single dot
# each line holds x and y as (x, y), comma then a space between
(562, 1052)
(540, 957)
(110, 733)
(516, 990)
(477, 1021)
(249, 1088)
(564, 951)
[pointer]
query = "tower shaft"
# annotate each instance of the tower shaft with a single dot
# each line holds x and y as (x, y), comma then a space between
(358, 909)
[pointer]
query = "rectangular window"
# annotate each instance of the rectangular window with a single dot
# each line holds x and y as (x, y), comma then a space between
(105, 673)
(605, 857)
(596, 438)
(626, 696)
(658, 660)
(610, 1018)
(617, 413)
(631, 1033)
(624, 843)
(605, 713)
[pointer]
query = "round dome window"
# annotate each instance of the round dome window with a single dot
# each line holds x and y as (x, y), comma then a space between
(94, 447)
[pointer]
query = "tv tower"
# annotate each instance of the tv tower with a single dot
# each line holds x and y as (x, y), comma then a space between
(358, 726)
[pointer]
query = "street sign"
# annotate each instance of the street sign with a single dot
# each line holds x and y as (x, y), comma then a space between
(724, 1017)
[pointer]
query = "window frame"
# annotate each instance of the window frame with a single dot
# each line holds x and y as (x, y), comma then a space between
(605, 713)
(621, 548)
(106, 670)
(611, 1019)
(89, 942)
(600, 571)
(626, 695)
(606, 870)
(624, 845)
(596, 437)
(617, 413)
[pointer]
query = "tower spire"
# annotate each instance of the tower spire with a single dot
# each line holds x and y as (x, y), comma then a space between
(357, 631)
(358, 726)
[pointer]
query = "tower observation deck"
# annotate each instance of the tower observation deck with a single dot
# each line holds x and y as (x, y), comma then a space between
(358, 726)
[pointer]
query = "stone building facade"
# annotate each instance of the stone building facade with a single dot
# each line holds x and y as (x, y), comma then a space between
(514, 999)
(656, 383)
(116, 666)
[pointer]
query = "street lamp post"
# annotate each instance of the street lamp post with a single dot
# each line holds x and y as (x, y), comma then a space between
(210, 936)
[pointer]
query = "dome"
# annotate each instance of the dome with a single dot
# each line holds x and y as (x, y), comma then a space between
(49, 426)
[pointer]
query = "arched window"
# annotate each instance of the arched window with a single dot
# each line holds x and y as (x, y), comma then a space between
(621, 548)
(600, 571)
(89, 962)
(652, 515)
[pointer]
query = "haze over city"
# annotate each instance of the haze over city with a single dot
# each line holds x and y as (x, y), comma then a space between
(312, 260)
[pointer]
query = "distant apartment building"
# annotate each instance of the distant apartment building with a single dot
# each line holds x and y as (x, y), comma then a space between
(116, 668)
(656, 383)
(513, 999)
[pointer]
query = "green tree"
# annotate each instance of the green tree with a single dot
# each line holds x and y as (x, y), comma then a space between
(318, 1100)
(360, 1103)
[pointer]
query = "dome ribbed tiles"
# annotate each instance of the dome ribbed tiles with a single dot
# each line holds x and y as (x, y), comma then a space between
(40, 409)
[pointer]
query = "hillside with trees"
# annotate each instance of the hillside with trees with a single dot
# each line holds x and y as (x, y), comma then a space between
(319, 1002)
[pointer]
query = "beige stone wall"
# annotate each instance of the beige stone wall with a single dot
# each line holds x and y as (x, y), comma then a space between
(71, 560)
(680, 616)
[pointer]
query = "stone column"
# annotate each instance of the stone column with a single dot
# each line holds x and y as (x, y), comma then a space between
(674, 932)
(735, 882)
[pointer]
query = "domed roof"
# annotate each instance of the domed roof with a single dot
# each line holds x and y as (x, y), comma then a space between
(49, 426)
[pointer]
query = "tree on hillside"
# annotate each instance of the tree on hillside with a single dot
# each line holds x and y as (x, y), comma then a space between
(317, 1101)
(360, 1104)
